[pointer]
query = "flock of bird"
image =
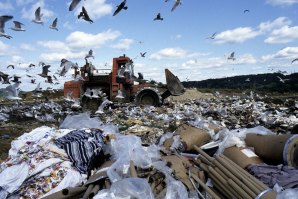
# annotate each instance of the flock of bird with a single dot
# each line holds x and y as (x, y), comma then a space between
(65, 64)
(12, 90)
(18, 26)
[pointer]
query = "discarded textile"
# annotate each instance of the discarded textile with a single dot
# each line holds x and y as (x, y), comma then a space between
(80, 145)
(285, 176)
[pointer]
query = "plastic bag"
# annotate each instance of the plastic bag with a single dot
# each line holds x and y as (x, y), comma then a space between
(237, 136)
(136, 187)
(288, 194)
(80, 121)
(175, 189)
(126, 148)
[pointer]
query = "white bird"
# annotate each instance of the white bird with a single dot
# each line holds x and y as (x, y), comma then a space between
(54, 25)
(37, 91)
(177, 3)
(73, 4)
(69, 97)
(12, 92)
(247, 80)
(232, 56)
(17, 26)
(90, 54)
(66, 66)
(3, 19)
(38, 16)
(282, 80)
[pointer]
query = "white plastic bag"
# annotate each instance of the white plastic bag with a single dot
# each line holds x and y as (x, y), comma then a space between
(288, 194)
(80, 121)
(135, 187)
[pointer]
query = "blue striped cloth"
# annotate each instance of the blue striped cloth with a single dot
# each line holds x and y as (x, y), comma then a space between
(80, 145)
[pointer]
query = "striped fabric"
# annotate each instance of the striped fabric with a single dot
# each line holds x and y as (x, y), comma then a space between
(80, 145)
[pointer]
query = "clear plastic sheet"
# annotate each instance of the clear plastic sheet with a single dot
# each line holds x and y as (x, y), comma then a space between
(80, 121)
(288, 194)
(237, 136)
(135, 187)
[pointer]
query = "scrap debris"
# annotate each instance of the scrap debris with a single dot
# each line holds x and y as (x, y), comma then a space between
(203, 148)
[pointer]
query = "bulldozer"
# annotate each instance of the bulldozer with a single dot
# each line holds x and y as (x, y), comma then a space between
(120, 83)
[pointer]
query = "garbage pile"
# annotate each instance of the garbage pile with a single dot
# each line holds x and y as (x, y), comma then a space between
(212, 148)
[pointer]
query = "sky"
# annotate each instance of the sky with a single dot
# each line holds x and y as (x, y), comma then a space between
(264, 38)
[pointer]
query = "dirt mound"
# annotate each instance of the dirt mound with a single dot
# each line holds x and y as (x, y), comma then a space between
(190, 94)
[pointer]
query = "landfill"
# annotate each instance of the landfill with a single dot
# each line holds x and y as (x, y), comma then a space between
(216, 147)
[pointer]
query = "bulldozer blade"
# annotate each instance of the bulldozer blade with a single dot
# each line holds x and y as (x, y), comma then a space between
(174, 85)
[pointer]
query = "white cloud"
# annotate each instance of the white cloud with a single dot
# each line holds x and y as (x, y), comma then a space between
(95, 8)
(16, 59)
(3, 48)
(27, 47)
(81, 39)
(216, 62)
(285, 53)
(23, 2)
(282, 2)
(246, 59)
(56, 57)
(196, 54)
(178, 36)
(276, 24)
(30, 13)
(238, 35)
(68, 25)
(124, 44)
(5, 6)
(54, 45)
(285, 34)
(169, 53)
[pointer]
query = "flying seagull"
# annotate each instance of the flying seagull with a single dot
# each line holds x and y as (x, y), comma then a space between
(37, 91)
(121, 6)
(41, 63)
(4, 78)
(294, 60)
(73, 4)
(3, 19)
(90, 54)
(12, 91)
(31, 65)
(17, 26)
(84, 15)
(212, 36)
(49, 79)
(282, 80)
(38, 16)
(246, 11)
(16, 79)
(177, 3)
(54, 25)
(66, 65)
(10, 65)
(143, 54)
(45, 70)
(232, 56)
(158, 17)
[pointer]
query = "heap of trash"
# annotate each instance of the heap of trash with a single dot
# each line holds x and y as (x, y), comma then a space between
(213, 148)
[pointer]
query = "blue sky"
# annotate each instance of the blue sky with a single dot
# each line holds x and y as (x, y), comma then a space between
(263, 39)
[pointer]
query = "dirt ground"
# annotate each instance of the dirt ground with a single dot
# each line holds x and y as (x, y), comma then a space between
(191, 94)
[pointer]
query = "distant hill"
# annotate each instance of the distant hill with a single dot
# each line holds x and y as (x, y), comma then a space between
(275, 82)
